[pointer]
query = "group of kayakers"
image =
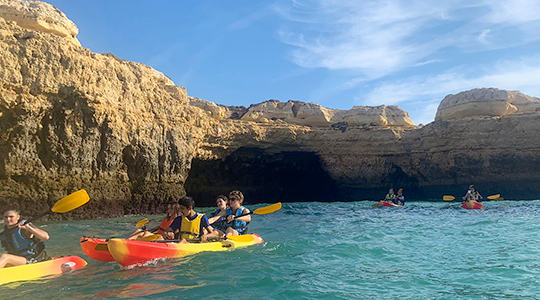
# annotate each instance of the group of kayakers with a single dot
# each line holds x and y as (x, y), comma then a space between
(398, 199)
(183, 223)
(392, 199)
(23, 241)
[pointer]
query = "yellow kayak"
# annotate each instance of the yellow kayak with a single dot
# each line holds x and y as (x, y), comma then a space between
(54, 266)
(129, 252)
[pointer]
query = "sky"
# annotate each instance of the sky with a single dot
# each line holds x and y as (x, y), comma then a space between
(337, 53)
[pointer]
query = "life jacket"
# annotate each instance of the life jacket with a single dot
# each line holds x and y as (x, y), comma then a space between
(389, 197)
(164, 224)
(190, 229)
(221, 223)
(240, 226)
(15, 243)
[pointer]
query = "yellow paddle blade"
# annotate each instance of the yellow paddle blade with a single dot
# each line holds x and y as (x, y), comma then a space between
(141, 223)
(149, 238)
(448, 198)
(267, 209)
(241, 238)
(493, 197)
(71, 201)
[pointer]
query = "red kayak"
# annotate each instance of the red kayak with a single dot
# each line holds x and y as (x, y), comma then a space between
(471, 204)
(129, 252)
(96, 249)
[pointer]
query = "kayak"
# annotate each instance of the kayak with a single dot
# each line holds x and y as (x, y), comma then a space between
(54, 266)
(129, 252)
(96, 248)
(385, 204)
(471, 204)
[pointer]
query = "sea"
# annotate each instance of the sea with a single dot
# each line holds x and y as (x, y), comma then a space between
(313, 250)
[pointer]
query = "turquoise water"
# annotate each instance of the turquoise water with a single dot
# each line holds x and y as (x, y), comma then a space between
(325, 251)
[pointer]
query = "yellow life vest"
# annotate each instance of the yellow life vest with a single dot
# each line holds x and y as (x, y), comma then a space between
(191, 229)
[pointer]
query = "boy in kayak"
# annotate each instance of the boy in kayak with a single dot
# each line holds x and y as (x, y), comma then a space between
(190, 225)
(237, 216)
(472, 195)
(173, 211)
(22, 240)
(217, 219)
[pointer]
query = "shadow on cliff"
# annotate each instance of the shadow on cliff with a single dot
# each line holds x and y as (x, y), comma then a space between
(263, 177)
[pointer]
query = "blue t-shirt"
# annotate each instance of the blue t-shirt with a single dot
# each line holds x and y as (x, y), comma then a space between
(178, 222)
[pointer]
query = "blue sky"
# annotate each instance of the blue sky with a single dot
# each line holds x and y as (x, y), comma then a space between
(337, 53)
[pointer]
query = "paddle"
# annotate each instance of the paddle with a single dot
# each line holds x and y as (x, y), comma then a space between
(237, 238)
(451, 198)
(68, 203)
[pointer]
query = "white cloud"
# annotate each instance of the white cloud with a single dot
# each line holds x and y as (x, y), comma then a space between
(428, 91)
(376, 38)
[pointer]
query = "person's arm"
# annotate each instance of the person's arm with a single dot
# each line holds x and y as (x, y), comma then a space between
(168, 234)
(214, 219)
(208, 231)
(32, 230)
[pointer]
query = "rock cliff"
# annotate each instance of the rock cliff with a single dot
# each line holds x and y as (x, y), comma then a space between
(71, 119)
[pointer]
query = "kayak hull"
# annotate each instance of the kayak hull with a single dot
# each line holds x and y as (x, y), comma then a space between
(472, 205)
(96, 249)
(54, 266)
(128, 252)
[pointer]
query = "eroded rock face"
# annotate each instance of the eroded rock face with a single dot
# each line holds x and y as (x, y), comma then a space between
(485, 102)
(314, 115)
(72, 119)
(37, 15)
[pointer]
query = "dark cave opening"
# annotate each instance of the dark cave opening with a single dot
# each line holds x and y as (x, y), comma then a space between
(263, 177)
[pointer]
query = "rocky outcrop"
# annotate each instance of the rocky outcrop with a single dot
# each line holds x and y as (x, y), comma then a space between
(37, 15)
(314, 115)
(485, 102)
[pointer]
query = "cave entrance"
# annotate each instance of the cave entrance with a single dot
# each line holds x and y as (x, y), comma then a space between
(262, 176)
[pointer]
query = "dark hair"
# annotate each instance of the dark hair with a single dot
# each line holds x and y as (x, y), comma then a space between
(236, 195)
(187, 202)
(13, 209)
(222, 197)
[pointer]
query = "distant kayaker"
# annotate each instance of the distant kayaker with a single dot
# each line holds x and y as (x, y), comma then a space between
(238, 216)
(173, 211)
(190, 225)
(400, 199)
(22, 240)
(217, 219)
(472, 194)
(389, 198)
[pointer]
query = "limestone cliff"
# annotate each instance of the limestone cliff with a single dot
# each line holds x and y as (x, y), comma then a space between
(71, 119)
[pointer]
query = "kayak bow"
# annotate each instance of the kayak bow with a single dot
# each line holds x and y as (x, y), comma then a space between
(54, 266)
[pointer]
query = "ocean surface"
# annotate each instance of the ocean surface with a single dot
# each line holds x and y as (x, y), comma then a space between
(323, 251)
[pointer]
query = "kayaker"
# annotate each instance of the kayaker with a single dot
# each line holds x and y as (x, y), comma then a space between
(173, 211)
(238, 216)
(400, 199)
(190, 225)
(22, 240)
(217, 219)
(472, 195)
(389, 198)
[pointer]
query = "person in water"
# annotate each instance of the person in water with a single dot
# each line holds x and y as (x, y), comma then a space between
(389, 198)
(190, 225)
(22, 240)
(237, 215)
(217, 219)
(173, 211)
(472, 195)
(399, 199)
